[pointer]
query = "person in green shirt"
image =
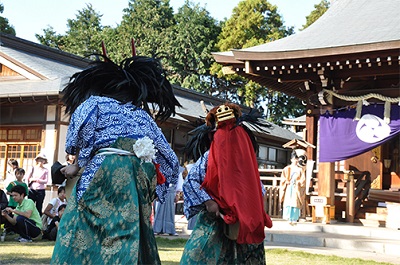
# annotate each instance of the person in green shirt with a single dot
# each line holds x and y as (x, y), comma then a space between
(19, 174)
(24, 219)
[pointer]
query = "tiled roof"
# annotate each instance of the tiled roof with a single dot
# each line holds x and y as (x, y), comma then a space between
(49, 68)
(345, 23)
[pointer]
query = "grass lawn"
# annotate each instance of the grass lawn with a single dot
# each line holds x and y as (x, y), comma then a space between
(39, 252)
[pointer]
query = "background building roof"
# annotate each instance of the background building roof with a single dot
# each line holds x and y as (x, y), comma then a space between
(352, 25)
(42, 72)
(354, 46)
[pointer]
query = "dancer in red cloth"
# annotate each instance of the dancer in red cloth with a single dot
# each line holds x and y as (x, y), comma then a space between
(231, 220)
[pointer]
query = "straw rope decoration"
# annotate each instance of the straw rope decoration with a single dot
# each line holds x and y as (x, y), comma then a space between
(362, 100)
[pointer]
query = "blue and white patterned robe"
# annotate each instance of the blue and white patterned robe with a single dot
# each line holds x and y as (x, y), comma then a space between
(99, 121)
(193, 195)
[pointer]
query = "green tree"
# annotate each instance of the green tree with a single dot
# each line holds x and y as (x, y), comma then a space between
(51, 38)
(278, 105)
(147, 21)
(189, 45)
(5, 27)
(83, 36)
(252, 23)
(318, 11)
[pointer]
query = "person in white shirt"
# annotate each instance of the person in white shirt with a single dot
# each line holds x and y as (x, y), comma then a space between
(52, 208)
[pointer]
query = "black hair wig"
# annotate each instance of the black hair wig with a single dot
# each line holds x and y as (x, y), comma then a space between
(138, 79)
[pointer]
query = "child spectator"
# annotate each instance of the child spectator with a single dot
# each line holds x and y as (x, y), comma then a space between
(52, 229)
(51, 210)
(19, 174)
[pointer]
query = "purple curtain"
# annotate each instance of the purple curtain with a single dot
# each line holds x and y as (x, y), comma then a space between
(341, 137)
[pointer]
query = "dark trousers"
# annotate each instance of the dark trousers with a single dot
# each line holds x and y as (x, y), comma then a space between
(26, 227)
(51, 234)
(38, 197)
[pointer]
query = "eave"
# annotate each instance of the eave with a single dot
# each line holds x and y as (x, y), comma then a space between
(246, 55)
(295, 76)
(354, 46)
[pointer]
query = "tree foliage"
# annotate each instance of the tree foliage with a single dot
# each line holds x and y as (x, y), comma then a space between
(51, 38)
(84, 33)
(190, 43)
(146, 21)
(318, 11)
(252, 23)
(83, 36)
(185, 42)
(5, 26)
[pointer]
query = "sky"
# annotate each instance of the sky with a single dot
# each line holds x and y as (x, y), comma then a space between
(30, 17)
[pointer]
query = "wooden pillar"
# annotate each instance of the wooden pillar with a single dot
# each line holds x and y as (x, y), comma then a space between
(350, 203)
(326, 181)
(311, 136)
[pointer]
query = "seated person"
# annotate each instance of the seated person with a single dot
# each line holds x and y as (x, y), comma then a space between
(51, 232)
(3, 204)
(52, 208)
(25, 218)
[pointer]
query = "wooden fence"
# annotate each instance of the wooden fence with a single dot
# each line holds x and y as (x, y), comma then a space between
(271, 180)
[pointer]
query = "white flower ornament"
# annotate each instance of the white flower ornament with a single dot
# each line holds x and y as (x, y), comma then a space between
(144, 149)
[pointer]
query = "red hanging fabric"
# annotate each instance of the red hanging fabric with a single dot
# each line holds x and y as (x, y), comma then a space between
(233, 180)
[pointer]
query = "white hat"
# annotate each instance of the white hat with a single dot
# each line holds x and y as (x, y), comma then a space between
(42, 156)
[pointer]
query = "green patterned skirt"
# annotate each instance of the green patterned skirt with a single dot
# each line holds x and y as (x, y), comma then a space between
(110, 224)
(208, 245)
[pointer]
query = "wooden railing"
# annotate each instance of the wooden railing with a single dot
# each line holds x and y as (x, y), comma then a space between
(271, 180)
(357, 189)
(356, 192)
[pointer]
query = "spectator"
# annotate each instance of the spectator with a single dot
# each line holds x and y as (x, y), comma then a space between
(37, 181)
(10, 176)
(69, 159)
(19, 174)
(24, 219)
(3, 204)
(292, 187)
(164, 218)
(51, 210)
(52, 228)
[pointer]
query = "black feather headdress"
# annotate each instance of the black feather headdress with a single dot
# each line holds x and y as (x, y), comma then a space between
(138, 79)
(200, 142)
(202, 136)
(253, 120)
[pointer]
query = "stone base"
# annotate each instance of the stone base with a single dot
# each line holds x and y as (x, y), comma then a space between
(393, 215)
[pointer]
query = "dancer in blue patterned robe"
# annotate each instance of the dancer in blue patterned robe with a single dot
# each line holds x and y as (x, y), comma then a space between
(107, 220)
